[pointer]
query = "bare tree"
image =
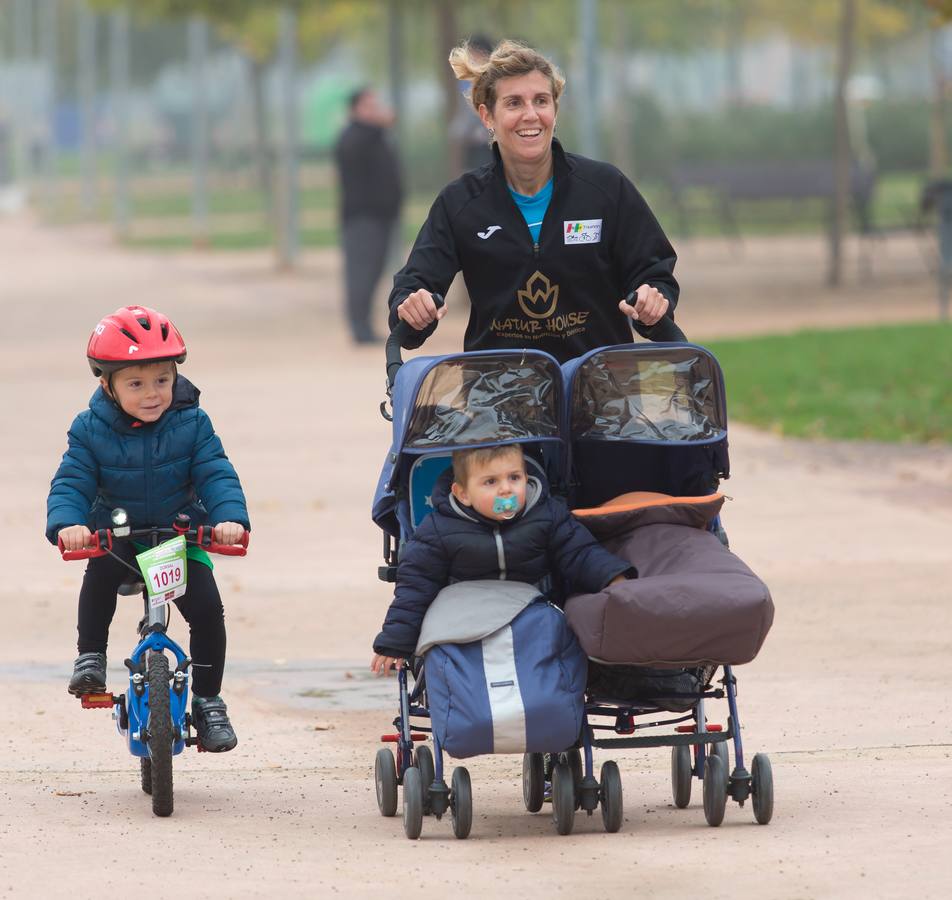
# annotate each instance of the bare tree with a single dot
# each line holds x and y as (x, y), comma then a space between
(842, 159)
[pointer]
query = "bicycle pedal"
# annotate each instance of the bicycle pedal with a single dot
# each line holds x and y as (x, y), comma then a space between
(97, 701)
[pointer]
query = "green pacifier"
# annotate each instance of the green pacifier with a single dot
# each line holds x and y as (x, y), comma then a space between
(503, 505)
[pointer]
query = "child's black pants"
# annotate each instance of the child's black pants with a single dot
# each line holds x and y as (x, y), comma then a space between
(200, 606)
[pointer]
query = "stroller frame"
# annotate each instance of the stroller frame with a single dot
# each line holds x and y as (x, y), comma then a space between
(698, 749)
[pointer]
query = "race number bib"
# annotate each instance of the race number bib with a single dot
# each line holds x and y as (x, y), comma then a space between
(164, 570)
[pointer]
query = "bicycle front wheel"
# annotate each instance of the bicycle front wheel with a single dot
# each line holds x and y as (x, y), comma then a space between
(161, 738)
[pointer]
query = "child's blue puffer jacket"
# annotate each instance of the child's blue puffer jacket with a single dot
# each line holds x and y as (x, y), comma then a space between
(154, 471)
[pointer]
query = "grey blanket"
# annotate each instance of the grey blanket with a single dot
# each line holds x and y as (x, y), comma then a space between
(472, 610)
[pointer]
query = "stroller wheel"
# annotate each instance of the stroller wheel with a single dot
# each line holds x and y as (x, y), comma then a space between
(461, 803)
(761, 787)
(423, 760)
(715, 790)
(720, 749)
(574, 760)
(611, 796)
(385, 778)
(533, 781)
(563, 798)
(412, 803)
(681, 775)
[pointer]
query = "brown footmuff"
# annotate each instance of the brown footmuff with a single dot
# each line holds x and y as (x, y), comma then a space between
(694, 603)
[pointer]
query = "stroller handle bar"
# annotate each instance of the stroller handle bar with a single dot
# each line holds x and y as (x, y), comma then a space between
(664, 330)
(401, 331)
(201, 537)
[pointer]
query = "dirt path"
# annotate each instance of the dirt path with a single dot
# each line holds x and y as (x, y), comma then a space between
(849, 696)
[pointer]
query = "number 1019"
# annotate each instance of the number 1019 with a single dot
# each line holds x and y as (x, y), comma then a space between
(163, 578)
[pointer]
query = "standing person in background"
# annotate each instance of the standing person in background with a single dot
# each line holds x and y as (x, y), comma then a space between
(559, 252)
(466, 126)
(371, 193)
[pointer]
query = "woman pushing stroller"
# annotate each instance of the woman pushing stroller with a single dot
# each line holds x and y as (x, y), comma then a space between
(548, 242)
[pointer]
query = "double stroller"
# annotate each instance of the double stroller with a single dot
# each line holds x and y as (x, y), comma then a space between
(634, 437)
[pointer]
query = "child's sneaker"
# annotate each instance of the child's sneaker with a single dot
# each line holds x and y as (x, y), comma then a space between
(89, 674)
(210, 718)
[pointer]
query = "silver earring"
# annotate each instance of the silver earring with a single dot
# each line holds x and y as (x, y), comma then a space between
(492, 136)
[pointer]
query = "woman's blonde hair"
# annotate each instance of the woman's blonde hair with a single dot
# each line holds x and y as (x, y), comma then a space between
(509, 59)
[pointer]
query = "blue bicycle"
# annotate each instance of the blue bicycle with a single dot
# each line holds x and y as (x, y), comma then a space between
(153, 714)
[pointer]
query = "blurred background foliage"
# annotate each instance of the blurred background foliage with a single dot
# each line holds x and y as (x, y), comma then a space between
(657, 86)
(210, 123)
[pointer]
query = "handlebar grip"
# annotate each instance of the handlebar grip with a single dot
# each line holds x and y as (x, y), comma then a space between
(87, 552)
(401, 331)
(664, 329)
(239, 549)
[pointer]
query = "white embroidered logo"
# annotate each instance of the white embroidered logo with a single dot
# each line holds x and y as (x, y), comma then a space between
(133, 349)
(489, 232)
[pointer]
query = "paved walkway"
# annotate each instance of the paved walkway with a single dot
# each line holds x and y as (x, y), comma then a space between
(849, 695)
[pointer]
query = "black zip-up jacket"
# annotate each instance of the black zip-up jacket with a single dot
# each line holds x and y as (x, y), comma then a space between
(456, 543)
(599, 240)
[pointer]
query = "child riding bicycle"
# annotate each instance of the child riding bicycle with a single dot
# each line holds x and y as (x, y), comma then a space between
(146, 446)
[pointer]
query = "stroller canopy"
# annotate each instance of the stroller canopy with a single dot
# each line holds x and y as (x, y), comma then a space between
(652, 394)
(474, 399)
(443, 403)
(645, 417)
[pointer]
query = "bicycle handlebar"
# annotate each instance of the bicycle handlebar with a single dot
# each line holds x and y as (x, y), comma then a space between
(200, 537)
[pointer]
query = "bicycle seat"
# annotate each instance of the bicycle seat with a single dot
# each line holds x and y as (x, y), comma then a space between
(131, 586)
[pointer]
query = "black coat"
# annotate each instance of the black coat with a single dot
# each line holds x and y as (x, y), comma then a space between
(456, 543)
(598, 241)
(370, 181)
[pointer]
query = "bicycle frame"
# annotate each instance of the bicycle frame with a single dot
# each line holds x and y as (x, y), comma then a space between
(131, 710)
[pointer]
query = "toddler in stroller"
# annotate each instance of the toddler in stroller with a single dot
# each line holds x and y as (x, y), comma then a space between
(494, 522)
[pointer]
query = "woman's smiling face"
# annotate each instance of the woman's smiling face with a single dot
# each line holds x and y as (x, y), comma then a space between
(523, 117)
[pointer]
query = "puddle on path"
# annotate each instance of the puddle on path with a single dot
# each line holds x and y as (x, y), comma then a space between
(304, 684)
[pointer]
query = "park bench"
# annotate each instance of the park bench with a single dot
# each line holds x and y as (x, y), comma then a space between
(796, 181)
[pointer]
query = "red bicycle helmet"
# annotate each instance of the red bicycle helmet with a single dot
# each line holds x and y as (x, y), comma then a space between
(131, 336)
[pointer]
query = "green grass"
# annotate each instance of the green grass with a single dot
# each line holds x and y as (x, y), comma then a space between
(889, 384)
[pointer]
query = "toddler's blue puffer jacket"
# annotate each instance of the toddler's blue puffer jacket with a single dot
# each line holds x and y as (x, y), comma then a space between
(154, 471)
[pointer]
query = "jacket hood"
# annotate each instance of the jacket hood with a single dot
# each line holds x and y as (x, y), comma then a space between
(184, 395)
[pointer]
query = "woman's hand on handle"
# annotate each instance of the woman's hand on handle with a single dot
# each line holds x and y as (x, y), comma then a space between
(76, 537)
(649, 306)
(419, 310)
(228, 533)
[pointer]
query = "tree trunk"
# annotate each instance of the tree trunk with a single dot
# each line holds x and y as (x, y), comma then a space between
(448, 37)
(842, 156)
(262, 152)
(938, 144)
(734, 39)
(622, 154)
